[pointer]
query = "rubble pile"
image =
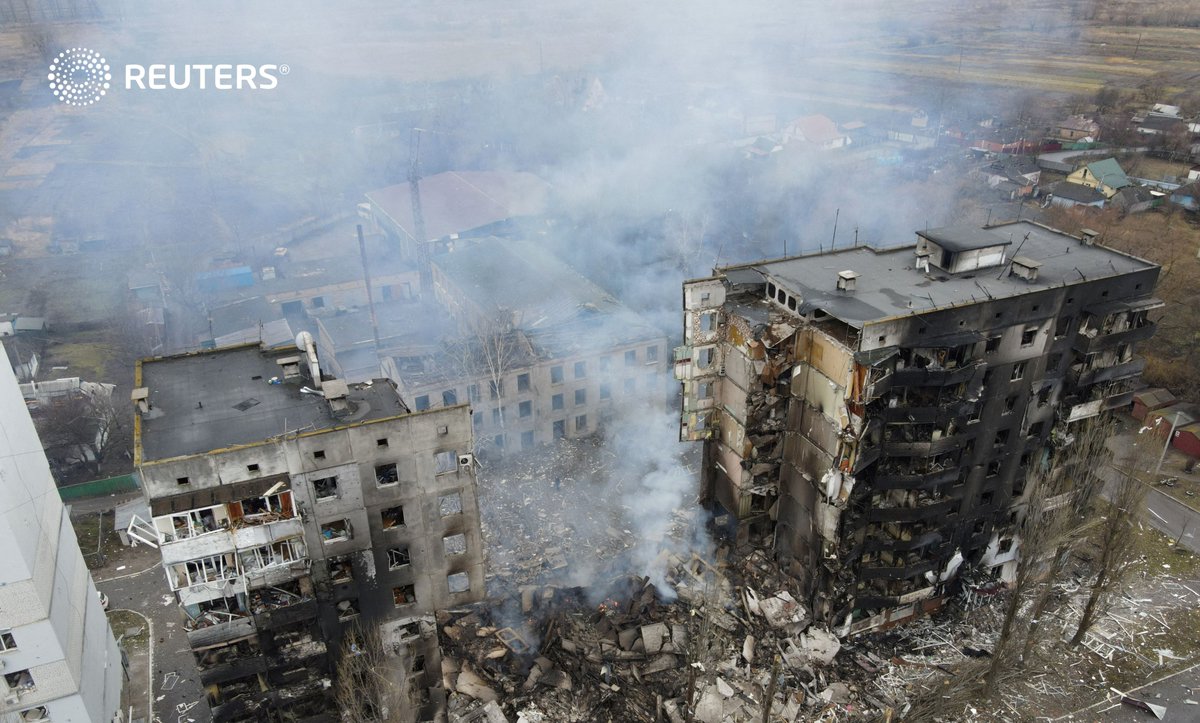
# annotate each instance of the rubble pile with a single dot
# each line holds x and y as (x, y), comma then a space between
(627, 651)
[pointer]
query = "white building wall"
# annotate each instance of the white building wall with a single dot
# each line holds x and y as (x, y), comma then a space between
(47, 599)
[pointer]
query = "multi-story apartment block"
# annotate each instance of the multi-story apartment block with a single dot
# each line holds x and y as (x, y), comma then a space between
(292, 509)
(57, 653)
(871, 413)
(538, 351)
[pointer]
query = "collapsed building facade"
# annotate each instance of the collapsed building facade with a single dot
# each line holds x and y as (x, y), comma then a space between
(293, 511)
(871, 414)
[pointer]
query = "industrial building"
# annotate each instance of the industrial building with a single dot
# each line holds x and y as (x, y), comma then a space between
(294, 512)
(57, 653)
(870, 413)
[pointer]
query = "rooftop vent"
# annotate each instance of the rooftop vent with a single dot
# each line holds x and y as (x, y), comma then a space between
(141, 399)
(846, 280)
(1025, 267)
(1088, 236)
(336, 393)
(291, 366)
(923, 261)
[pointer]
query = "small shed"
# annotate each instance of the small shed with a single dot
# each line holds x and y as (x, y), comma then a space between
(1148, 400)
(29, 324)
(1187, 440)
(1178, 415)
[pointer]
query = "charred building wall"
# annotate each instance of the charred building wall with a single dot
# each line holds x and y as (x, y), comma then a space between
(875, 426)
(284, 530)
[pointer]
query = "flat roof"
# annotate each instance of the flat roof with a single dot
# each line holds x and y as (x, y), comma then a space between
(889, 285)
(460, 201)
(201, 402)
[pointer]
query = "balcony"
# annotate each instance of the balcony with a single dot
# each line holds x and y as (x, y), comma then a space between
(1088, 341)
(233, 669)
(913, 566)
(931, 538)
(1084, 377)
(934, 413)
(901, 448)
(931, 376)
(893, 479)
(265, 533)
(285, 613)
(231, 629)
(929, 509)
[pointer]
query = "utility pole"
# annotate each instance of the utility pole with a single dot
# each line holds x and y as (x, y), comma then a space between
(418, 216)
(362, 252)
(1170, 435)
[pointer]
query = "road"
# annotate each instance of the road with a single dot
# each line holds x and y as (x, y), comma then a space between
(1172, 692)
(1165, 514)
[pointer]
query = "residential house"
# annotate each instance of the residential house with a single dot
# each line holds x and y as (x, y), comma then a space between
(1018, 174)
(1067, 195)
(1160, 125)
(293, 510)
(1135, 199)
(875, 427)
(23, 360)
(1187, 196)
(1077, 128)
(815, 132)
(1105, 176)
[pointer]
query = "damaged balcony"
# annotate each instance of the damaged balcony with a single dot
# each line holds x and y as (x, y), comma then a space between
(936, 367)
(297, 645)
(229, 627)
(910, 506)
(278, 606)
(923, 477)
(1097, 371)
(923, 440)
(1119, 323)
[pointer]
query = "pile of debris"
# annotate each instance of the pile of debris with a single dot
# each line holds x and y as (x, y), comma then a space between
(627, 651)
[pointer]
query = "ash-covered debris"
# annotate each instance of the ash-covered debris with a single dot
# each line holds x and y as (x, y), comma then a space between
(726, 639)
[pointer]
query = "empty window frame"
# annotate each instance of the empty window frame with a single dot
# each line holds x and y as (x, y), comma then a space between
(7, 641)
(202, 570)
(1018, 371)
(450, 504)
(445, 462)
(41, 714)
(265, 508)
(458, 582)
(275, 554)
(340, 569)
(523, 384)
(398, 557)
(1029, 335)
(404, 595)
(387, 474)
(556, 374)
(347, 610)
(560, 429)
(581, 423)
(455, 544)
(705, 356)
(392, 517)
(336, 531)
(319, 454)
(556, 402)
(325, 488)
(580, 370)
(525, 409)
(182, 525)
(19, 680)
(992, 344)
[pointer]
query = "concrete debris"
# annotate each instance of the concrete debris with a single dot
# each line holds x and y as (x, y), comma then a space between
(820, 646)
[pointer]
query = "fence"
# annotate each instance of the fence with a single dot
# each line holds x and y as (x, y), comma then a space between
(99, 487)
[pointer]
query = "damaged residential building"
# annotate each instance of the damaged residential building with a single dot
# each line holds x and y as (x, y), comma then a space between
(870, 414)
(293, 510)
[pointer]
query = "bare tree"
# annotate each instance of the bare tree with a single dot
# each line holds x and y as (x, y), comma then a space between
(369, 687)
(84, 428)
(490, 350)
(1116, 536)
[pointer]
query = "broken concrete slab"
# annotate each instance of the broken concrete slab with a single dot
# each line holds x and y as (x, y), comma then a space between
(653, 636)
(819, 646)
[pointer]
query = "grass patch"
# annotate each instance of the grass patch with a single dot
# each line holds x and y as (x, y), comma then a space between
(123, 620)
(88, 530)
(86, 358)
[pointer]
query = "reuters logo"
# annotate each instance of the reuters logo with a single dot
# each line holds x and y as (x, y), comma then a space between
(79, 76)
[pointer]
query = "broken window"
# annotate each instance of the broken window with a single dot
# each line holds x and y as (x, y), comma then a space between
(1029, 335)
(993, 468)
(340, 569)
(556, 402)
(1001, 438)
(523, 382)
(381, 442)
(387, 474)
(1053, 361)
(35, 715)
(992, 344)
(7, 642)
(556, 375)
(449, 398)
(404, 595)
(422, 402)
(1043, 397)
(325, 488)
(986, 498)
(335, 531)
(651, 354)
(319, 454)
(1006, 545)
(705, 356)
(445, 462)
(1010, 403)
(708, 321)
(1035, 429)
(347, 610)
(560, 429)
(631, 357)
(1018, 371)
(526, 440)
(605, 390)
(182, 480)
(202, 570)
(581, 423)
(1062, 326)
(580, 397)
(252, 468)
(458, 582)
(580, 369)
(525, 409)
(450, 504)
(275, 554)
(398, 557)
(418, 664)
(19, 680)
(392, 517)
(455, 544)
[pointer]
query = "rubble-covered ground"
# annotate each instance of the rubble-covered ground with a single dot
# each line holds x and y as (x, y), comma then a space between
(572, 631)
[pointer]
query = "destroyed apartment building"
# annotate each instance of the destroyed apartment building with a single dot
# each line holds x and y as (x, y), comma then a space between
(870, 413)
(292, 509)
